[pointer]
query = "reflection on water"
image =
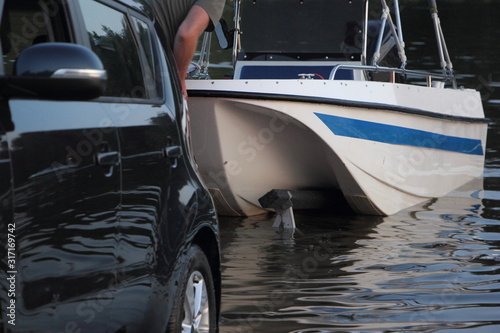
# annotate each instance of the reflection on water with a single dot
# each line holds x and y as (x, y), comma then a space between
(433, 268)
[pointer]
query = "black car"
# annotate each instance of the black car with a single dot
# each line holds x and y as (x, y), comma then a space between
(105, 225)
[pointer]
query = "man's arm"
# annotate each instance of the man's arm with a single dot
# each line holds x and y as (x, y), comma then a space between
(186, 40)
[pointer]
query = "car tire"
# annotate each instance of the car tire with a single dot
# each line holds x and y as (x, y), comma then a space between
(195, 305)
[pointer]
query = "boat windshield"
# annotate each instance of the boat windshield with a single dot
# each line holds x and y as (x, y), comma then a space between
(314, 28)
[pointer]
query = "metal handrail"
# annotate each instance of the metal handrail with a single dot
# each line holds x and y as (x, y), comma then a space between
(427, 75)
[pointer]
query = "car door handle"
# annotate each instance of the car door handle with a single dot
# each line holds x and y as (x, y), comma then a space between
(111, 158)
(172, 153)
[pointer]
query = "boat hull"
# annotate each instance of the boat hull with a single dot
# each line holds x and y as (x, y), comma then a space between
(384, 148)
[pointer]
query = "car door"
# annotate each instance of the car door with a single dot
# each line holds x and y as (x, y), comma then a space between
(8, 228)
(140, 101)
(64, 158)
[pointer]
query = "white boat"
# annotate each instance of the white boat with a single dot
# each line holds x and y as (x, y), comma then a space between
(321, 102)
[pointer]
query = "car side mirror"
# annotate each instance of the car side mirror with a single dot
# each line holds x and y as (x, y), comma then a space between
(59, 71)
(224, 36)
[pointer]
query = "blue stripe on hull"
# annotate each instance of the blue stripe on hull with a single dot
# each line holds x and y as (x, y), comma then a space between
(367, 130)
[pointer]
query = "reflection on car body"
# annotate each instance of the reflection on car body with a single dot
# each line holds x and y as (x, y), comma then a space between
(105, 224)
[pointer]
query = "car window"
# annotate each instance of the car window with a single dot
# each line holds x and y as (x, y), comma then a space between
(151, 63)
(29, 22)
(112, 39)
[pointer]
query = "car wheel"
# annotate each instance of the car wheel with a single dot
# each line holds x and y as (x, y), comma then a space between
(195, 306)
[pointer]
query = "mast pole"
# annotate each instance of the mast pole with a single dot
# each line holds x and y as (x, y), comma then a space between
(386, 17)
(398, 21)
(237, 30)
(444, 56)
(365, 35)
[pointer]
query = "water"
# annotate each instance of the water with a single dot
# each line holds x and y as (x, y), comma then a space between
(432, 268)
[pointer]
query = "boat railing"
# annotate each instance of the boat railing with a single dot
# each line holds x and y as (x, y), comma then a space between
(428, 76)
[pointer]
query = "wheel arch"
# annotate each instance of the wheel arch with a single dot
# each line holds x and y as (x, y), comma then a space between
(208, 241)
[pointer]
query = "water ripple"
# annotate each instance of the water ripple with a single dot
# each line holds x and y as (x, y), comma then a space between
(432, 268)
